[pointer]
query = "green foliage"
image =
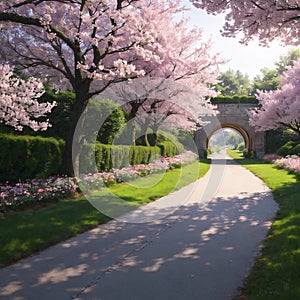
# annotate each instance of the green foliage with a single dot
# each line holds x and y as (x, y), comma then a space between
(24, 157)
(241, 147)
(289, 148)
(214, 149)
(107, 157)
(234, 99)
(267, 81)
(186, 138)
(149, 136)
(249, 153)
(234, 139)
(166, 141)
(170, 149)
(225, 137)
(287, 60)
(234, 83)
(110, 114)
(277, 138)
(169, 144)
(206, 153)
(60, 116)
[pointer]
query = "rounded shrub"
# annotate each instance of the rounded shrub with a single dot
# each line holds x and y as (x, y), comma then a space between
(286, 149)
(241, 147)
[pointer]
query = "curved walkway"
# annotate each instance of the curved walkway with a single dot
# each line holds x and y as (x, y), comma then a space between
(203, 250)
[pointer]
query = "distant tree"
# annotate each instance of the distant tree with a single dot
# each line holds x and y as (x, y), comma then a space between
(233, 138)
(280, 108)
(232, 83)
(287, 60)
(266, 19)
(157, 112)
(268, 80)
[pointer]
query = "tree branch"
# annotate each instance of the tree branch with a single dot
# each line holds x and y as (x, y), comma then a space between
(15, 18)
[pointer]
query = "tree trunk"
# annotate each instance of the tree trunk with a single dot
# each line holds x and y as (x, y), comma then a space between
(131, 134)
(131, 122)
(144, 129)
(72, 153)
(155, 134)
(146, 139)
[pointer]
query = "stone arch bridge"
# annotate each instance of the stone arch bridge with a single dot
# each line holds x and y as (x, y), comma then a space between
(234, 116)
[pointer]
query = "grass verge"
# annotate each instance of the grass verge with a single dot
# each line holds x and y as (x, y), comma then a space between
(276, 273)
(24, 233)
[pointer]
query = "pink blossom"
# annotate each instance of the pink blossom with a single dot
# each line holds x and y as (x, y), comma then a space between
(281, 107)
(18, 104)
(291, 163)
(266, 19)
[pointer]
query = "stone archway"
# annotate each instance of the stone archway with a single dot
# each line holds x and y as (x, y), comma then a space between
(234, 116)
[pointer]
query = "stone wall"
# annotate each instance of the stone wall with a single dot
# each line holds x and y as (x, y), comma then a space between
(232, 115)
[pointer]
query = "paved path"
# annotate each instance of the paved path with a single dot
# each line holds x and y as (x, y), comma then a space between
(203, 250)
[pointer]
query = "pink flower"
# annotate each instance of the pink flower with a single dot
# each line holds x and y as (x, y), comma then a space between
(40, 191)
(3, 195)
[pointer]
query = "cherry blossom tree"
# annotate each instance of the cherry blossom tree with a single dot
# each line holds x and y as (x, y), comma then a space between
(159, 114)
(91, 44)
(153, 102)
(86, 44)
(18, 101)
(280, 107)
(265, 19)
(187, 59)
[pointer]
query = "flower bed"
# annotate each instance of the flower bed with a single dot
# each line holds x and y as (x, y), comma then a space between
(36, 191)
(95, 181)
(290, 162)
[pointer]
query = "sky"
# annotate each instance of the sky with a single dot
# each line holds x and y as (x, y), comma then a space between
(249, 59)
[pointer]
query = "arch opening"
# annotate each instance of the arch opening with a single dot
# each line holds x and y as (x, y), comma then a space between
(229, 135)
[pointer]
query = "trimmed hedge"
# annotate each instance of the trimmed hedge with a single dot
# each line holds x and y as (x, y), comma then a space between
(25, 157)
(119, 156)
(234, 99)
(170, 148)
(116, 156)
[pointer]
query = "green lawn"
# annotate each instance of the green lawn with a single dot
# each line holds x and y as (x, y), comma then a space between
(276, 274)
(23, 233)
